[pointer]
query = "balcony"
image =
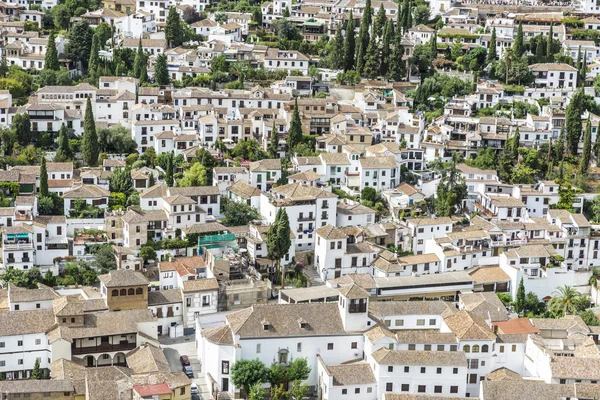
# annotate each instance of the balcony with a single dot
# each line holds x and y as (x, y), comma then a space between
(17, 246)
(103, 348)
(306, 218)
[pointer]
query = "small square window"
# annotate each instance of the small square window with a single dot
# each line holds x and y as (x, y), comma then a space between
(344, 391)
(439, 370)
(390, 368)
(423, 370)
(329, 346)
(407, 369)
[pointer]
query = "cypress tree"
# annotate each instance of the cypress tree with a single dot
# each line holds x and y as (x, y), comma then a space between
(587, 148)
(540, 50)
(371, 68)
(161, 72)
(396, 67)
(492, 53)
(578, 62)
(409, 15)
(520, 298)
(89, 142)
(64, 151)
(363, 45)
(549, 55)
(380, 21)
(143, 74)
(151, 180)
(273, 148)
(94, 58)
(583, 70)
(560, 145)
(337, 58)
(433, 45)
(286, 12)
(169, 172)
(349, 45)
(43, 178)
(367, 14)
(174, 32)
(278, 241)
(518, 46)
(403, 18)
(140, 59)
(294, 135)
(573, 121)
(385, 47)
(597, 147)
(514, 146)
(51, 58)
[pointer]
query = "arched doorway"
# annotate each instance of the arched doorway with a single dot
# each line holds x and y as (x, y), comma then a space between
(104, 360)
(89, 361)
(119, 360)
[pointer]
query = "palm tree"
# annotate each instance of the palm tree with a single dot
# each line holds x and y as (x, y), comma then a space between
(594, 279)
(240, 70)
(565, 301)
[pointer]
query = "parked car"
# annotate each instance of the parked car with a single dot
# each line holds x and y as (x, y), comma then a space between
(184, 360)
(188, 371)
(194, 388)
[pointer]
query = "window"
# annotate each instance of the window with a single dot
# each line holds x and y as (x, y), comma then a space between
(258, 348)
(225, 367)
(356, 390)
(1, 344)
(432, 322)
(344, 391)
(299, 347)
(455, 371)
(453, 389)
(139, 291)
(427, 347)
(501, 349)
(440, 347)
(514, 348)
(473, 364)
(20, 343)
(472, 379)
(439, 370)
(423, 370)
(420, 322)
(412, 347)
(399, 322)
(390, 368)
(475, 348)
(467, 348)
(329, 346)
(421, 388)
(20, 362)
(182, 390)
(406, 370)
(38, 342)
(369, 390)
(389, 386)
(354, 345)
(437, 389)
(130, 292)
(485, 348)
(405, 387)
(2, 363)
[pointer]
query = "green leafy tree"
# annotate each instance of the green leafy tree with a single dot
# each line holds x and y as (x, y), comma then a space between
(518, 45)
(43, 178)
(195, 176)
(421, 14)
(249, 150)
(276, 375)
(573, 121)
(589, 318)
(51, 57)
(294, 135)
(120, 181)
(298, 370)
(174, 29)
(451, 190)
(161, 72)
(148, 253)
(519, 302)
(286, 12)
(237, 213)
(89, 142)
(61, 17)
(492, 51)
(349, 44)
(256, 392)
(586, 155)
(21, 125)
(79, 46)
(247, 373)
(278, 240)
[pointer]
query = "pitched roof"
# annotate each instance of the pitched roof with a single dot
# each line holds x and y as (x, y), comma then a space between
(218, 335)
(199, 285)
(351, 374)
(282, 320)
(467, 326)
(243, 189)
(147, 359)
(353, 291)
(25, 322)
(386, 356)
(159, 297)
(86, 191)
(378, 162)
(299, 191)
(123, 277)
(265, 165)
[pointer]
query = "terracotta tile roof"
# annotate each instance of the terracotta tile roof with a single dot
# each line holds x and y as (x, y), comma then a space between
(516, 326)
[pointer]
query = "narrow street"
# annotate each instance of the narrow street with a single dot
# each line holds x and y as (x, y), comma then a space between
(185, 345)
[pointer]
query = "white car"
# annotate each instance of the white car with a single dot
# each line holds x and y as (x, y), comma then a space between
(194, 388)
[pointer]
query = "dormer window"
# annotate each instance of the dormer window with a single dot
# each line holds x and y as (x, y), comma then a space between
(266, 325)
(303, 324)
